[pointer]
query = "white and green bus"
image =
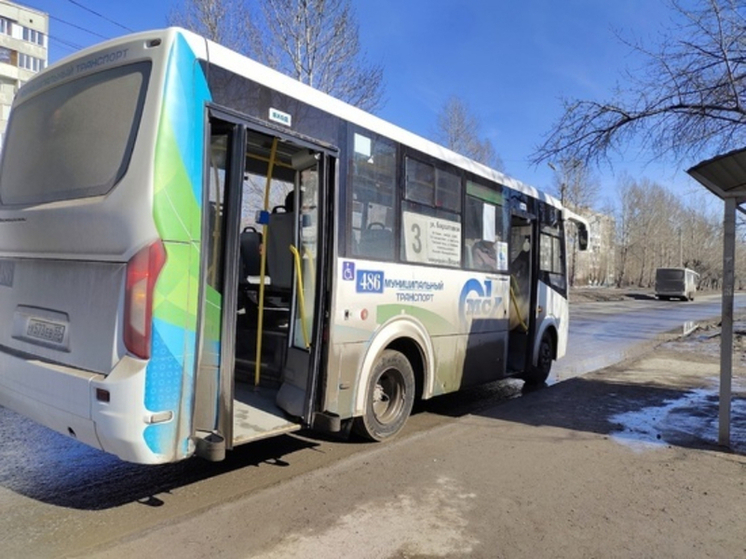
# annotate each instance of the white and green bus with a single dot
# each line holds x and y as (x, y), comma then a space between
(197, 252)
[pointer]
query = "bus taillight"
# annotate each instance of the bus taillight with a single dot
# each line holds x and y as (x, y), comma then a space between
(142, 273)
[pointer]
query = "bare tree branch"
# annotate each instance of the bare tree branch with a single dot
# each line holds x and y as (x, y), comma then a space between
(314, 41)
(458, 129)
(227, 22)
(688, 98)
(317, 42)
(574, 184)
(656, 229)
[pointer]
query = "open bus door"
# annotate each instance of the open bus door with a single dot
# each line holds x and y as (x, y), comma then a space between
(262, 303)
(523, 250)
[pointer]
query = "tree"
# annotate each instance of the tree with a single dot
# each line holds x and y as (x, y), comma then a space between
(690, 96)
(314, 41)
(317, 42)
(574, 184)
(577, 189)
(624, 231)
(655, 229)
(458, 129)
(221, 21)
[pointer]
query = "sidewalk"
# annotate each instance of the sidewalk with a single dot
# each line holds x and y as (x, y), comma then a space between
(617, 463)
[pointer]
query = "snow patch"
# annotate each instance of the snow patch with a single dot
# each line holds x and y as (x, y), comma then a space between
(692, 416)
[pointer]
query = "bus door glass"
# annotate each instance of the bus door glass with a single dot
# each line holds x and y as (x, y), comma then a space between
(521, 244)
(521, 262)
(306, 255)
(215, 358)
(300, 378)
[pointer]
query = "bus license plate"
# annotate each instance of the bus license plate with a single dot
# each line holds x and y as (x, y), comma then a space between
(45, 331)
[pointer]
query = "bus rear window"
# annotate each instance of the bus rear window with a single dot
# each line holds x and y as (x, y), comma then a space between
(75, 140)
(669, 275)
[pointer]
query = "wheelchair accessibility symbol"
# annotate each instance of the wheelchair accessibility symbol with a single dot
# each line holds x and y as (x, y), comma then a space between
(348, 271)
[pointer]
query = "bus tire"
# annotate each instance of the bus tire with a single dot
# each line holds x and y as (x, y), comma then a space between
(389, 397)
(538, 374)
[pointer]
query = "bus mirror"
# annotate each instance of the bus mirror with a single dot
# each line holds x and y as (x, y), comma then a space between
(582, 238)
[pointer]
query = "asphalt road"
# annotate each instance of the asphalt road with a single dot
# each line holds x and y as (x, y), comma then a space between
(59, 498)
(604, 333)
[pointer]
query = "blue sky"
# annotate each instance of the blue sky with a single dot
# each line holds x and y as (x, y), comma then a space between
(510, 60)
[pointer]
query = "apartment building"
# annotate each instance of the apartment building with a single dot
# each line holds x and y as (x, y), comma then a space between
(24, 39)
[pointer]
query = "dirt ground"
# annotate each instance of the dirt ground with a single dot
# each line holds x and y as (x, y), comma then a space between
(622, 462)
(596, 294)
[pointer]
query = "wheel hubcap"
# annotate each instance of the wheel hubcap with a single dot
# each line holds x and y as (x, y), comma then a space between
(388, 397)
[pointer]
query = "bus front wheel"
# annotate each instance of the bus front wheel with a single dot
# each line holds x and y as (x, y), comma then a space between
(537, 374)
(389, 397)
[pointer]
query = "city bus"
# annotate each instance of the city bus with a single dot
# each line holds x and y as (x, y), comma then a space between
(680, 283)
(197, 252)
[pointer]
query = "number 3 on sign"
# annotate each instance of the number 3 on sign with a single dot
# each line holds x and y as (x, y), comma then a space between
(417, 244)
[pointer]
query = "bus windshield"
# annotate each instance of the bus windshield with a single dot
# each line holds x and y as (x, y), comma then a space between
(74, 140)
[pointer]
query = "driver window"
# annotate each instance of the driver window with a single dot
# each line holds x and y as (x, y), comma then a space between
(373, 178)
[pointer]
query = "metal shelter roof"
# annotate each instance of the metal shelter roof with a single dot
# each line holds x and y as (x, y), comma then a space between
(724, 175)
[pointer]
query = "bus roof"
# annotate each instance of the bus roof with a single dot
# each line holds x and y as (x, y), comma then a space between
(241, 65)
(665, 269)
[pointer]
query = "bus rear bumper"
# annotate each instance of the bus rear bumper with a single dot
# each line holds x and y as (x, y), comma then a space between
(51, 395)
(65, 400)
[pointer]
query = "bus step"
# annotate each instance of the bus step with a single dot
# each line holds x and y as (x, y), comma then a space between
(270, 375)
(210, 446)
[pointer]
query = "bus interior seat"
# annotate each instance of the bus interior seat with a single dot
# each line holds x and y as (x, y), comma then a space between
(378, 243)
(280, 235)
(250, 254)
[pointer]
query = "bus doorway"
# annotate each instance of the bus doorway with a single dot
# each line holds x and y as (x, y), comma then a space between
(522, 280)
(266, 238)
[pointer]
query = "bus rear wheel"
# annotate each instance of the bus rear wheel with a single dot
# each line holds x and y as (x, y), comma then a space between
(389, 397)
(538, 374)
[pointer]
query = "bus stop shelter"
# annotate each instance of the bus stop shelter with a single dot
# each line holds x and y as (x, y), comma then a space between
(725, 176)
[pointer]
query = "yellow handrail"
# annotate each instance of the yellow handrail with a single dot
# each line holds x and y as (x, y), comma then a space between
(301, 296)
(263, 267)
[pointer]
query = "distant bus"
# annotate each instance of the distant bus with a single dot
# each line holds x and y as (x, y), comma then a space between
(197, 252)
(680, 283)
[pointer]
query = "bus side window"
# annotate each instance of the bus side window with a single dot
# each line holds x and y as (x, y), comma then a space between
(373, 180)
(376, 241)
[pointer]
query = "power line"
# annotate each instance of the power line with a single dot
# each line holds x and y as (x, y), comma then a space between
(78, 27)
(72, 47)
(86, 8)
